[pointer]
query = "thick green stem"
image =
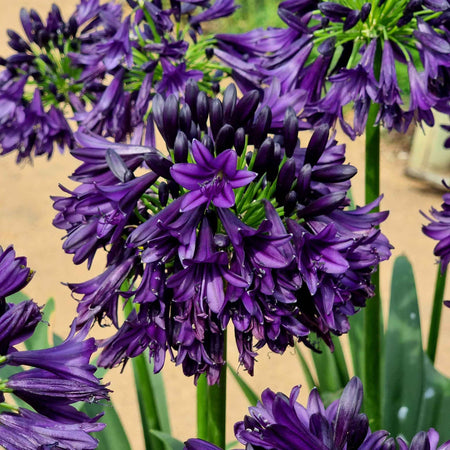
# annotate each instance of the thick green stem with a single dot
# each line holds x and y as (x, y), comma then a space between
(217, 402)
(436, 314)
(202, 407)
(372, 314)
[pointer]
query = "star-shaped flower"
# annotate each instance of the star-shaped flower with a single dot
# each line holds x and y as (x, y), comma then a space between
(210, 180)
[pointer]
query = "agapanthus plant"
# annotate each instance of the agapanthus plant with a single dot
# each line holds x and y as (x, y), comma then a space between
(279, 422)
(100, 68)
(332, 54)
(60, 376)
(233, 222)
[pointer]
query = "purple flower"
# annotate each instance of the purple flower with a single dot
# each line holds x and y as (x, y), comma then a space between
(14, 273)
(241, 226)
(210, 180)
(27, 430)
(439, 229)
(424, 439)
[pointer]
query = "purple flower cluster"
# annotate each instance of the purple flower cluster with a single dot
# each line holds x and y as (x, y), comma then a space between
(104, 66)
(231, 224)
(279, 422)
(325, 59)
(439, 229)
(60, 376)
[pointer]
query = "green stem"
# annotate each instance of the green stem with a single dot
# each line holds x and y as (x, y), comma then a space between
(146, 399)
(372, 314)
(202, 407)
(436, 314)
(217, 401)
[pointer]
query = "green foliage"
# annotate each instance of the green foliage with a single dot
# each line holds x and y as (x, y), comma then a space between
(251, 395)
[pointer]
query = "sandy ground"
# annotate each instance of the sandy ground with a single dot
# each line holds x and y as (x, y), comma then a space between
(25, 221)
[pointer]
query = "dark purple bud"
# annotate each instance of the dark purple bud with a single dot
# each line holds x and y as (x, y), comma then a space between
(326, 48)
(333, 173)
(239, 141)
(352, 19)
(170, 119)
(365, 11)
(202, 110)
(118, 166)
(248, 157)
(261, 126)
(43, 37)
(163, 193)
(274, 164)
(229, 102)
(406, 18)
(208, 143)
(26, 24)
(185, 118)
(194, 132)
(174, 189)
(17, 43)
(72, 27)
(264, 156)
(381, 3)
(225, 138)
(209, 52)
(317, 144)
(52, 88)
(334, 11)
(245, 108)
(149, 66)
(324, 22)
(133, 4)
(2, 61)
(160, 165)
(303, 182)
(322, 205)
(190, 95)
(181, 148)
(215, 87)
(290, 202)
(215, 116)
(56, 12)
(158, 112)
(285, 179)
(290, 131)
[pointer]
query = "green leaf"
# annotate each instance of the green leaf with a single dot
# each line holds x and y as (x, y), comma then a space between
(306, 370)
(159, 393)
(251, 395)
(17, 298)
(404, 367)
(327, 371)
(113, 436)
(356, 339)
(169, 442)
(40, 336)
(435, 406)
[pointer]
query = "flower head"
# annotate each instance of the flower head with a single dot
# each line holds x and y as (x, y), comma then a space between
(236, 222)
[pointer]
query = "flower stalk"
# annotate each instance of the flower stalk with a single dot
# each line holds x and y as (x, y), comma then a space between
(372, 313)
(436, 313)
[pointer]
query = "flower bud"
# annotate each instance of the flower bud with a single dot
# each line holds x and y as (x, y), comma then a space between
(326, 48)
(332, 173)
(170, 119)
(208, 143)
(261, 126)
(351, 20)
(290, 131)
(317, 144)
(285, 179)
(239, 141)
(190, 96)
(245, 108)
(322, 205)
(163, 193)
(215, 116)
(225, 138)
(118, 166)
(290, 202)
(264, 156)
(229, 102)
(303, 182)
(365, 11)
(185, 118)
(160, 165)
(202, 110)
(181, 148)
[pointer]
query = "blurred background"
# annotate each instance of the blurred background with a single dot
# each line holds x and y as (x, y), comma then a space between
(26, 221)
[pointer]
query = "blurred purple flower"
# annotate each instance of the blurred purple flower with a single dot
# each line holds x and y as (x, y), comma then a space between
(439, 229)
